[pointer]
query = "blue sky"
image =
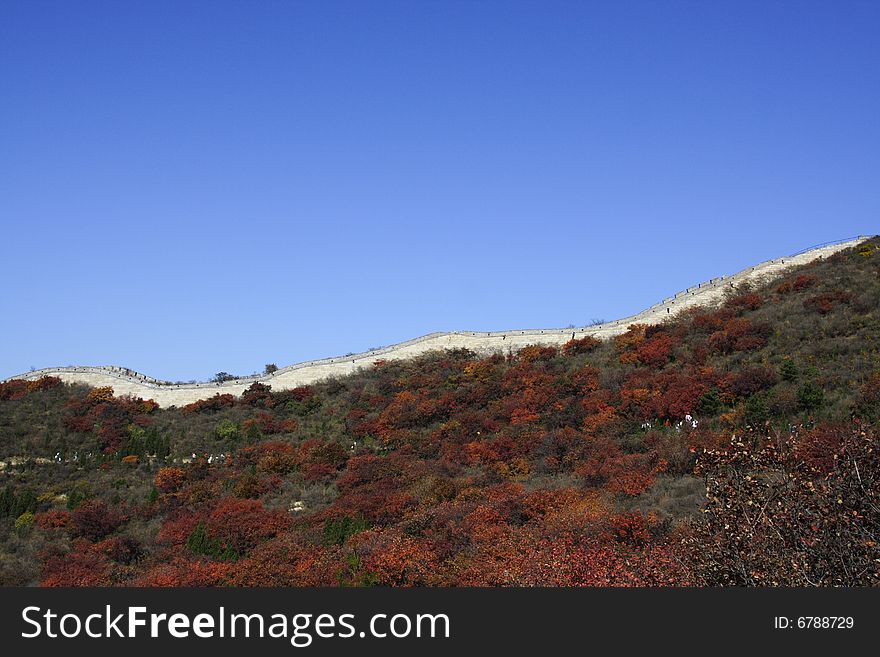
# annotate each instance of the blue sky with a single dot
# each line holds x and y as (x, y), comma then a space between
(190, 187)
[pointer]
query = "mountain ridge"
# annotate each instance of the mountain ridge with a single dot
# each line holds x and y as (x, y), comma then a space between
(125, 381)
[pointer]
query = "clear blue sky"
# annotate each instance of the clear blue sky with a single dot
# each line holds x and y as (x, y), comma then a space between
(189, 187)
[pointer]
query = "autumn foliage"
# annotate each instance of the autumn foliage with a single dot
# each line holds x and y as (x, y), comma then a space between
(729, 445)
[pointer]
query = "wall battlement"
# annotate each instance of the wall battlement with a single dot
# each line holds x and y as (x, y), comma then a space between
(128, 382)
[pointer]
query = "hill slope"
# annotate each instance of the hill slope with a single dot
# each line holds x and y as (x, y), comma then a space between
(581, 464)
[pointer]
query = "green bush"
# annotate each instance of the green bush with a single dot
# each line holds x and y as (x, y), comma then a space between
(226, 429)
(810, 397)
(709, 403)
(23, 523)
(80, 493)
(788, 371)
(757, 410)
(198, 542)
(336, 530)
(14, 505)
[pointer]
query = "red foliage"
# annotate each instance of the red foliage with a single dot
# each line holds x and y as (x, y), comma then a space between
(738, 334)
(270, 457)
(533, 353)
(214, 403)
(180, 572)
(299, 394)
(84, 566)
(669, 394)
(242, 524)
(580, 345)
(120, 549)
(585, 379)
(177, 527)
(94, 519)
(14, 389)
(820, 447)
(712, 321)
(802, 282)
(407, 408)
(53, 519)
(169, 480)
(655, 352)
(741, 302)
(523, 559)
(393, 559)
(258, 395)
(632, 474)
(107, 415)
(19, 388)
(749, 381)
(288, 560)
(320, 461)
(631, 528)
(269, 424)
(826, 302)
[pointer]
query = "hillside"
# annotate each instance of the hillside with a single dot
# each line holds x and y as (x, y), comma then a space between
(728, 444)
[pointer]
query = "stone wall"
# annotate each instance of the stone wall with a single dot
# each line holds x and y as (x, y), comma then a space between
(127, 382)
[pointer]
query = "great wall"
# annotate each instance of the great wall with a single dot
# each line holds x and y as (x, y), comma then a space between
(127, 382)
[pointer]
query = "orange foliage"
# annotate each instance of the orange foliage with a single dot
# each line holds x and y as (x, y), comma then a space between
(242, 524)
(53, 519)
(19, 388)
(169, 480)
(536, 352)
(214, 403)
(635, 334)
(393, 559)
(181, 572)
(104, 394)
(580, 345)
(655, 352)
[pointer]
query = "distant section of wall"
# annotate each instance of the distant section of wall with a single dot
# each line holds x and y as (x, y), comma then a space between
(127, 382)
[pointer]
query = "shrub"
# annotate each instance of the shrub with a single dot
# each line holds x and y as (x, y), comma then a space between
(198, 542)
(788, 370)
(817, 520)
(709, 403)
(258, 395)
(751, 380)
(94, 519)
(23, 523)
(655, 352)
(226, 429)
(810, 396)
(756, 410)
(214, 403)
(826, 302)
(741, 302)
(77, 496)
(580, 345)
(337, 530)
(169, 480)
(803, 281)
(868, 402)
(535, 352)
